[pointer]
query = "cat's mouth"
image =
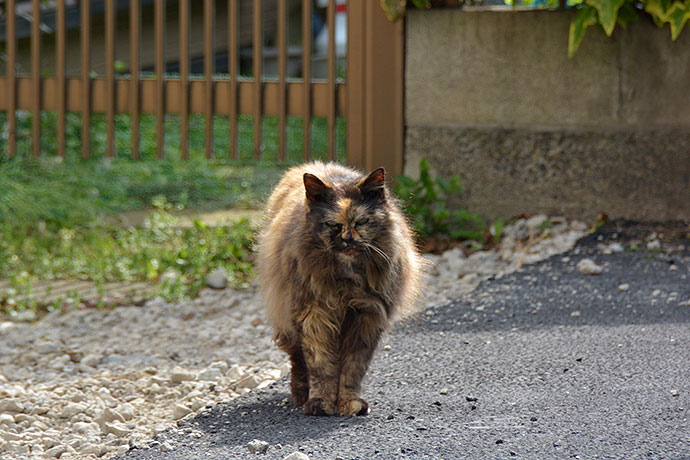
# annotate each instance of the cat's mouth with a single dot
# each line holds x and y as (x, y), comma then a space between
(350, 251)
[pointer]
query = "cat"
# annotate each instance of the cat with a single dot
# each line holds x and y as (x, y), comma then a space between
(337, 264)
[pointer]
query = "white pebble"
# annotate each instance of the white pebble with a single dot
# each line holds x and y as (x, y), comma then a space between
(11, 405)
(589, 267)
(72, 409)
(6, 419)
(180, 411)
(217, 279)
(211, 373)
(623, 287)
(180, 374)
(257, 446)
(297, 456)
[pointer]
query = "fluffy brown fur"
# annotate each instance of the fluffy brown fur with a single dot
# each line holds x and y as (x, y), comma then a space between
(337, 264)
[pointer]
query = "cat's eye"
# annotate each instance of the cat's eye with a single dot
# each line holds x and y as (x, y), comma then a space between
(334, 225)
(362, 221)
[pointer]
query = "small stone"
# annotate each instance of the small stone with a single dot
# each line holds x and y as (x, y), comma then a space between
(211, 373)
(217, 279)
(616, 247)
(45, 348)
(257, 446)
(86, 428)
(623, 287)
(444, 391)
(11, 405)
(576, 314)
(56, 451)
(127, 411)
(180, 374)
(72, 409)
(222, 366)
(656, 292)
(91, 360)
(654, 244)
(167, 446)
(471, 398)
(533, 223)
(589, 267)
(297, 456)
(180, 411)
(92, 449)
(249, 382)
(116, 428)
(386, 348)
(533, 419)
(674, 392)
(235, 372)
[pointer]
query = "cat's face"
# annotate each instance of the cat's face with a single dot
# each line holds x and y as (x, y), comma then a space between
(350, 218)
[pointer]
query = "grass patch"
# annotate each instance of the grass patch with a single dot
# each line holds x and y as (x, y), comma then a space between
(160, 252)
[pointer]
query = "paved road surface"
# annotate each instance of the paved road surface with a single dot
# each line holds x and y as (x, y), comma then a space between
(544, 364)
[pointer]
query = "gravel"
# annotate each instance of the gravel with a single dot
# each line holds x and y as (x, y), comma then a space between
(93, 383)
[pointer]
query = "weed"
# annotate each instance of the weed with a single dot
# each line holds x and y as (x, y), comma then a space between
(425, 201)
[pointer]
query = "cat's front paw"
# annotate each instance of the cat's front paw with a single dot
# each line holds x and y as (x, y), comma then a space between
(317, 406)
(356, 406)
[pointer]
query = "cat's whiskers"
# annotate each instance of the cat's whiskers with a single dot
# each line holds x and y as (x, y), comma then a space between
(369, 247)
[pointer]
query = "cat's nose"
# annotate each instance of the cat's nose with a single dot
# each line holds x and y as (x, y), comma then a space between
(346, 236)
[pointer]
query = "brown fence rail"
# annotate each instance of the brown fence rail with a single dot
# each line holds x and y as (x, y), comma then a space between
(92, 36)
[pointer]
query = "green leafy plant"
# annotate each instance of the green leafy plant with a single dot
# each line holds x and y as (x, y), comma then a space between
(605, 14)
(106, 253)
(426, 202)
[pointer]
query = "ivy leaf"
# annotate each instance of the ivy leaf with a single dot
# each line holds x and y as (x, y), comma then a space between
(585, 17)
(626, 15)
(394, 9)
(608, 11)
(421, 4)
(677, 16)
(657, 9)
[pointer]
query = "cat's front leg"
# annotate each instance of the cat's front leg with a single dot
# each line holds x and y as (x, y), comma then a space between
(320, 346)
(361, 334)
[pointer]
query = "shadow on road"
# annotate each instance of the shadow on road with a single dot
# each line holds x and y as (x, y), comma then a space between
(252, 418)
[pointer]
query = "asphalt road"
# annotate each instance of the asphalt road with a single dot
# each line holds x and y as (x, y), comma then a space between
(546, 363)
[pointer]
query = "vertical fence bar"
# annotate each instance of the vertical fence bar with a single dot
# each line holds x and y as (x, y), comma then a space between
(232, 68)
(258, 103)
(184, 79)
(36, 76)
(159, 69)
(306, 79)
(110, 77)
(208, 75)
(375, 88)
(282, 77)
(85, 78)
(11, 43)
(60, 72)
(134, 106)
(331, 79)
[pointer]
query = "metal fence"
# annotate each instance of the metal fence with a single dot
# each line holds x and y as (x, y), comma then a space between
(370, 96)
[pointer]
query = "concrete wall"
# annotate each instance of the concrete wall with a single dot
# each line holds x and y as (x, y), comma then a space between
(492, 96)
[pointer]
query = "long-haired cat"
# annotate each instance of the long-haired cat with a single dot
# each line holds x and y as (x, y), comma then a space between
(337, 264)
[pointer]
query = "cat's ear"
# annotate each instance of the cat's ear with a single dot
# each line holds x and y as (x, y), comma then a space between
(315, 188)
(374, 184)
